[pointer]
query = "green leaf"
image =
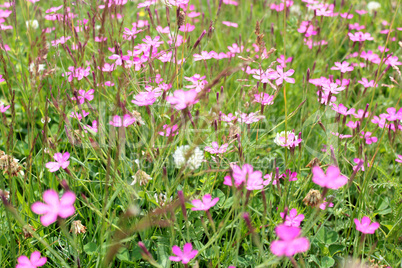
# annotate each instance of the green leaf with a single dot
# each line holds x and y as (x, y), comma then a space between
(333, 249)
(123, 255)
(90, 248)
(327, 262)
(327, 236)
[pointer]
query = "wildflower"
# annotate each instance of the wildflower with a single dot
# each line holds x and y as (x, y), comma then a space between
(205, 204)
(341, 109)
(5, 194)
(1, 77)
(227, 118)
(187, 28)
(352, 124)
(289, 242)
(292, 175)
(215, 149)
(288, 140)
(250, 118)
(162, 199)
(3, 108)
(194, 160)
(264, 98)
(284, 75)
(332, 179)
(184, 256)
(84, 95)
(34, 261)
(343, 67)
(182, 99)
(341, 136)
(399, 158)
(118, 122)
(93, 128)
(78, 228)
(373, 6)
(360, 37)
(393, 115)
(360, 162)
(141, 177)
(367, 83)
(61, 162)
(365, 226)
(245, 174)
(79, 116)
(54, 207)
(369, 138)
(324, 205)
(203, 56)
(145, 98)
(169, 131)
(282, 60)
(230, 24)
(292, 219)
(312, 198)
(32, 24)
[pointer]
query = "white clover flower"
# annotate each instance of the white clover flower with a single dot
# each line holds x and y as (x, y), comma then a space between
(373, 5)
(193, 162)
(295, 9)
(32, 24)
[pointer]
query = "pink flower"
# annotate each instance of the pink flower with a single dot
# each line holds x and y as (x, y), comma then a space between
(343, 67)
(3, 108)
(264, 98)
(118, 122)
(205, 204)
(145, 98)
(216, 149)
(352, 124)
(282, 60)
(360, 37)
(169, 131)
(325, 205)
(292, 219)
(78, 115)
(182, 99)
(94, 127)
(332, 180)
(2, 79)
(53, 9)
(341, 109)
(284, 75)
(84, 95)
(399, 158)
(230, 24)
(359, 161)
(119, 59)
(289, 242)
(184, 256)
(53, 207)
(341, 136)
(34, 261)
(366, 83)
(361, 12)
(242, 175)
(365, 227)
(152, 42)
(204, 56)
(289, 174)
(356, 26)
(61, 162)
(369, 138)
(187, 28)
(393, 115)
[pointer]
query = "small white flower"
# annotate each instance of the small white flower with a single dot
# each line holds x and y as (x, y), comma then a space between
(193, 162)
(32, 24)
(43, 120)
(373, 5)
(295, 9)
(41, 67)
